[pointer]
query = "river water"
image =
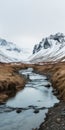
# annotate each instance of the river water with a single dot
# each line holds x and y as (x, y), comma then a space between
(27, 110)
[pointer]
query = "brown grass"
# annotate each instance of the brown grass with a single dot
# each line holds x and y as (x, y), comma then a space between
(56, 73)
(10, 80)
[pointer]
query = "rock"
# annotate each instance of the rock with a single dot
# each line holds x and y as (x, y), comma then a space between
(18, 110)
(58, 120)
(35, 48)
(63, 113)
(2, 103)
(46, 44)
(31, 106)
(36, 111)
(48, 85)
(56, 105)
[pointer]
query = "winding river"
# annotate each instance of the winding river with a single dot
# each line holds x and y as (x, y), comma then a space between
(27, 110)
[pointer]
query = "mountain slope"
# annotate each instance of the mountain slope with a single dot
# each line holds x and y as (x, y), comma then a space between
(49, 49)
(9, 52)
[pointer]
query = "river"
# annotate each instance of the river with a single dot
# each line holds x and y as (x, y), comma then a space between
(27, 110)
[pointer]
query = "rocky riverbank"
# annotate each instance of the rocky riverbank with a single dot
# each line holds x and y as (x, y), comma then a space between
(55, 119)
(11, 82)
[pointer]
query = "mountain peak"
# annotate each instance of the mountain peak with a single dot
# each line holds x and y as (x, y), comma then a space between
(58, 36)
(9, 52)
(3, 42)
(50, 49)
(47, 42)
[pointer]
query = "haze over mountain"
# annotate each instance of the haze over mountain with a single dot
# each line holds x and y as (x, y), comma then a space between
(9, 52)
(50, 49)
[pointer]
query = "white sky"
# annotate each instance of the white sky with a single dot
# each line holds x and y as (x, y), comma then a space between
(26, 22)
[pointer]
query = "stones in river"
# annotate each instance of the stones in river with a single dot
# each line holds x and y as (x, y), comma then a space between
(31, 106)
(48, 85)
(18, 110)
(36, 111)
(2, 103)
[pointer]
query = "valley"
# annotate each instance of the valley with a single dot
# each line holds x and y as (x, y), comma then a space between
(54, 72)
(39, 79)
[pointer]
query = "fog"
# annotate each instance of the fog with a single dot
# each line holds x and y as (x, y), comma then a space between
(26, 22)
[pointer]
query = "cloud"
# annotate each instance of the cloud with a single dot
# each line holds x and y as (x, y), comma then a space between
(23, 19)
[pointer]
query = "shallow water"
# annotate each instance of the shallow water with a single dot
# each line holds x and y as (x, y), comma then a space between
(35, 96)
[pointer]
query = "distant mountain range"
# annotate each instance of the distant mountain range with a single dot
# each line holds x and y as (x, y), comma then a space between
(9, 52)
(50, 49)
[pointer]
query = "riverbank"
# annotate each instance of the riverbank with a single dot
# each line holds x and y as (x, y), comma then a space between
(55, 119)
(56, 74)
(10, 80)
(10, 77)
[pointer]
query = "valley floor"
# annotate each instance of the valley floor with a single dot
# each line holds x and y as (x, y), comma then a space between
(11, 82)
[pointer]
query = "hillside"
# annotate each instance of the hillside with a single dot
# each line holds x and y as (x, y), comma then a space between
(50, 49)
(9, 52)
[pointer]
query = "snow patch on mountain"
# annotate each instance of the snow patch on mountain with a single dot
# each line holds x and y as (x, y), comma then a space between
(9, 52)
(50, 49)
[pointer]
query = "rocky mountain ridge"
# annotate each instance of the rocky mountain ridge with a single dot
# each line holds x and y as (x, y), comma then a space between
(48, 42)
(50, 49)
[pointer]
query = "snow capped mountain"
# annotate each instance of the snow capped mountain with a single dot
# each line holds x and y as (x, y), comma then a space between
(9, 52)
(50, 49)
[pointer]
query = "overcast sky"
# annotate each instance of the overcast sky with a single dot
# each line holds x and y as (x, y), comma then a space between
(26, 22)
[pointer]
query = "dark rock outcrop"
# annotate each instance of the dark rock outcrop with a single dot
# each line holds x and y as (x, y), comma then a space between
(47, 42)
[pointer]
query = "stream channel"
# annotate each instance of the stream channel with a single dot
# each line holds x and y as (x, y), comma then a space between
(27, 110)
